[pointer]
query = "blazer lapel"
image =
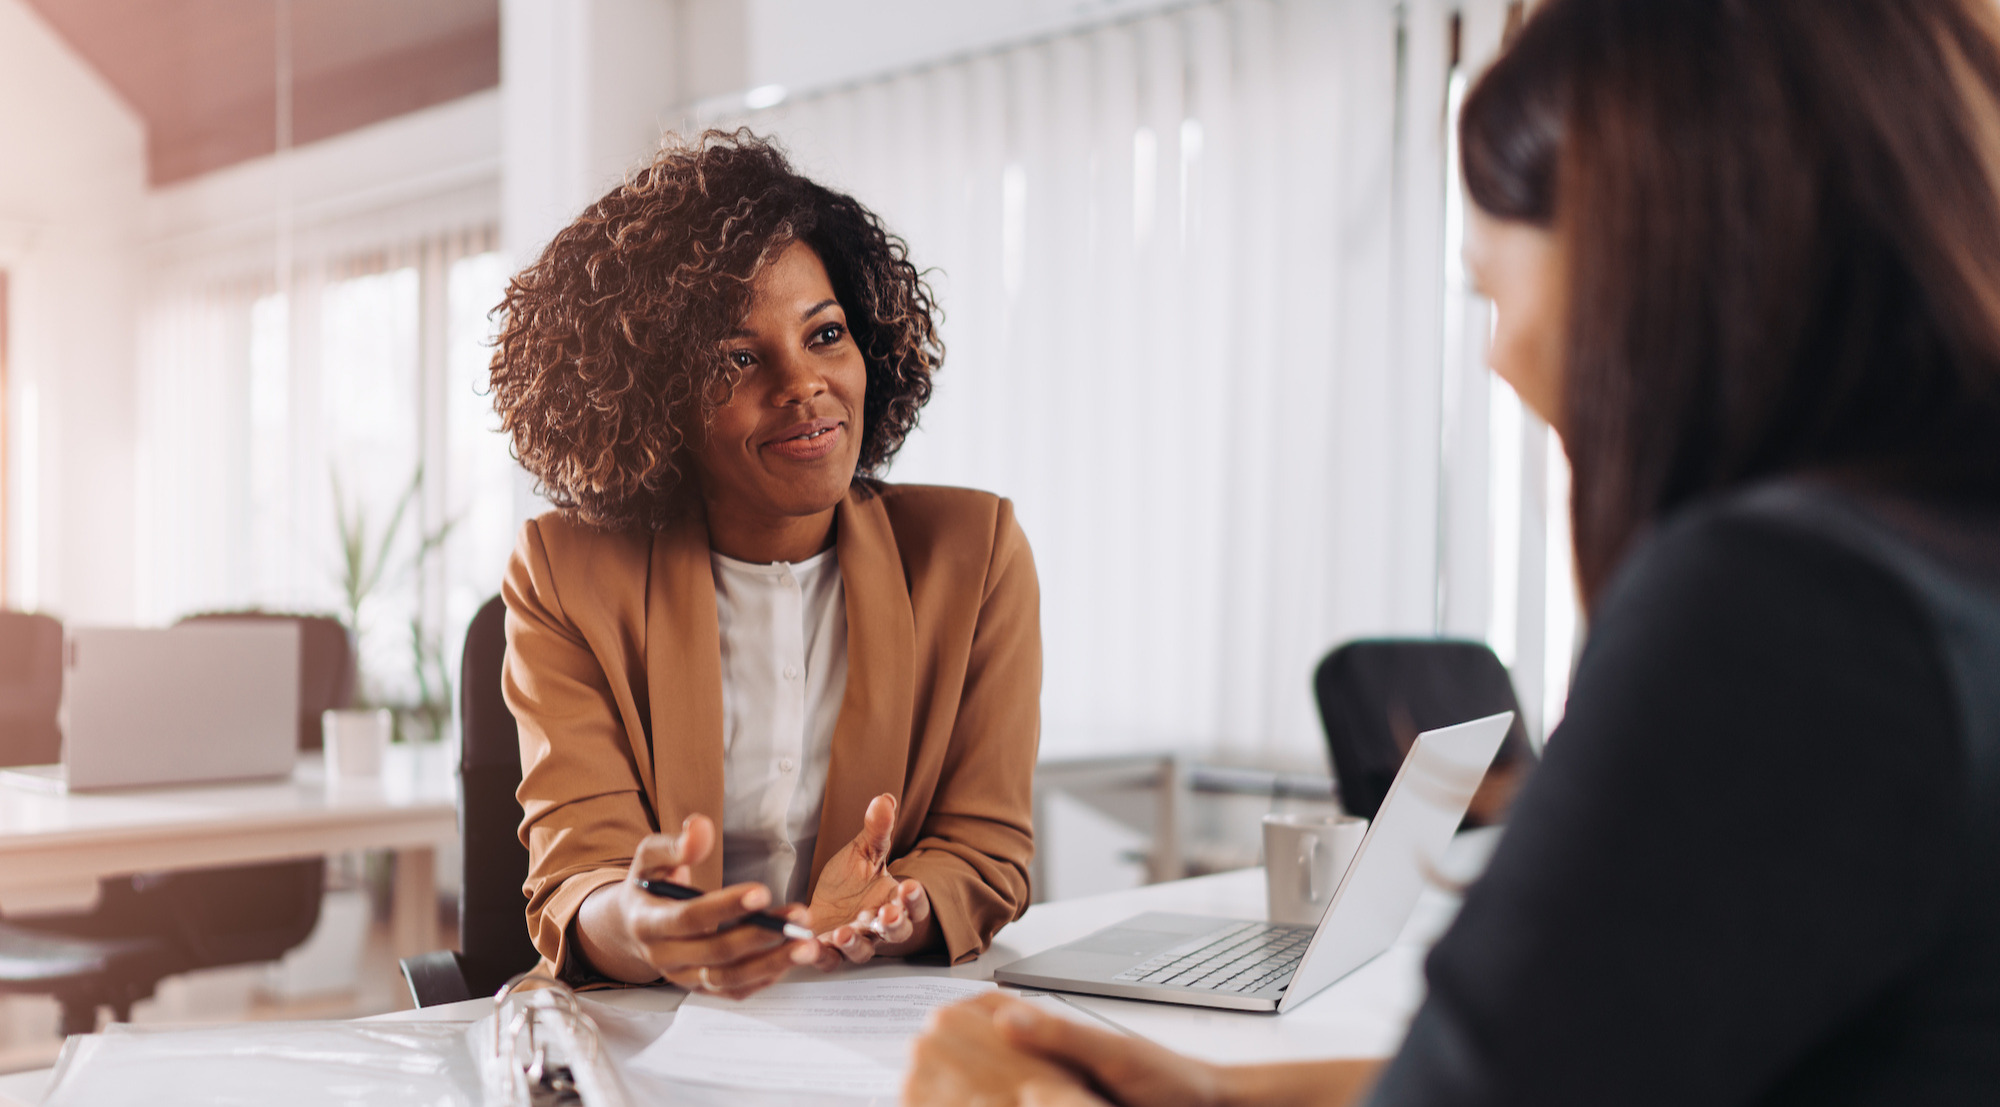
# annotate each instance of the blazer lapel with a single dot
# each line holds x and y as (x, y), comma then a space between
(871, 740)
(684, 682)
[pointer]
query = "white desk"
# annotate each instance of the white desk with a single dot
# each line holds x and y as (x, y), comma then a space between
(55, 848)
(1361, 1015)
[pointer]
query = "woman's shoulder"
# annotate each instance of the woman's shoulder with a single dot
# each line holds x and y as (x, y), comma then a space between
(962, 539)
(935, 499)
(556, 546)
(1745, 643)
(1749, 555)
(1838, 545)
(1796, 589)
(936, 514)
(562, 533)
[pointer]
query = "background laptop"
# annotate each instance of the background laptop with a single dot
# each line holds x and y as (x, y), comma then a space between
(198, 702)
(1254, 966)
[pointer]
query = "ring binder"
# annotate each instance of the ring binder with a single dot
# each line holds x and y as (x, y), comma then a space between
(562, 1063)
(537, 1049)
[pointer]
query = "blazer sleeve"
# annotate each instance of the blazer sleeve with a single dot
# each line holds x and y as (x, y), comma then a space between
(583, 804)
(978, 834)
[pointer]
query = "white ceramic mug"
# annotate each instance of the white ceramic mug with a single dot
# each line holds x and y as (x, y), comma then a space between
(1304, 858)
(355, 740)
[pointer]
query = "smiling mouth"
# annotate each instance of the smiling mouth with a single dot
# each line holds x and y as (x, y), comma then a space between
(808, 445)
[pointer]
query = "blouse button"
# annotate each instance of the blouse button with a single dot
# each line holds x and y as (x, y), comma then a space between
(785, 765)
(791, 673)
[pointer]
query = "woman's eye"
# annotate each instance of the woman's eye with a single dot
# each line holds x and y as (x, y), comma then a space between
(829, 334)
(740, 358)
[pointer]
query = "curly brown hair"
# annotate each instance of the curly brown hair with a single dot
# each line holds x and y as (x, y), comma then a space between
(610, 359)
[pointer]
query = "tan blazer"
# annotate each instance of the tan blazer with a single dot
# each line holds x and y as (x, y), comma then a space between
(614, 674)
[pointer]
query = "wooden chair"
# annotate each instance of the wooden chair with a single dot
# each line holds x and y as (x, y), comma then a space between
(30, 688)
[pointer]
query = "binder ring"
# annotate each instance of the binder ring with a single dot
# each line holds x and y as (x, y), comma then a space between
(707, 985)
(564, 1053)
(507, 1031)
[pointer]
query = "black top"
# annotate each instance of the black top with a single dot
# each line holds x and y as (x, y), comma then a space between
(1760, 862)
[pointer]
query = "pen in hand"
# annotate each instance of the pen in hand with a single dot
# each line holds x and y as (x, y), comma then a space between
(667, 889)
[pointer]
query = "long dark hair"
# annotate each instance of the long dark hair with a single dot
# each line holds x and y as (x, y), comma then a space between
(1780, 221)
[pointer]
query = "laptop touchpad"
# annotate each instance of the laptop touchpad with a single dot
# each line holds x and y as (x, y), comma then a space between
(1126, 940)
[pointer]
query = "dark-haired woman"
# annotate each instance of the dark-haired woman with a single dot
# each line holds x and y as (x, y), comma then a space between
(739, 663)
(1746, 260)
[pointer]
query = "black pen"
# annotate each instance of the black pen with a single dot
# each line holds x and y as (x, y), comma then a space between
(667, 889)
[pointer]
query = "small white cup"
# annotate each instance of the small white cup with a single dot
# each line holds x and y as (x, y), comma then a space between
(356, 739)
(1304, 858)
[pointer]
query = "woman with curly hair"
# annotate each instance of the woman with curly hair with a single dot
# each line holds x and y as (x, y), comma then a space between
(739, 662)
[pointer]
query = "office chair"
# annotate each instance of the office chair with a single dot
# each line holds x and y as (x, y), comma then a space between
(1376, 695)
(81, 973)
(492, 913)
(150, 926)
(30, 688)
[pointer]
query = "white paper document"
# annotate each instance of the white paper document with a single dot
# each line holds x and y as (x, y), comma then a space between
(833, 1037)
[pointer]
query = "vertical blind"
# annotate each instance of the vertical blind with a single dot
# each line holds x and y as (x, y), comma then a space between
(1207, 327)
(266, 413)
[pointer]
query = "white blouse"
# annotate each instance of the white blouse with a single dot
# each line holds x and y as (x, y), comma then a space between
(784, 671)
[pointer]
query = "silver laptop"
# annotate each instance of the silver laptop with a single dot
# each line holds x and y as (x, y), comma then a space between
(193, 703)
(1254, 966)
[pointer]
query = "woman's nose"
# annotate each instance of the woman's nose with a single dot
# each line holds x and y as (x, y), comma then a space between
(798, 381)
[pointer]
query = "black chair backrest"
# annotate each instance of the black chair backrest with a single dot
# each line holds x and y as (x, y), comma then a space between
(327, 665)
(1376, 695)
(230, 916)
(492, 913)
(30, 688)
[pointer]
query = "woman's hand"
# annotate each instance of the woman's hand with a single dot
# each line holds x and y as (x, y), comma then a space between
(858, 909)
(961, 1059)
(633, 935)
(997, 1050)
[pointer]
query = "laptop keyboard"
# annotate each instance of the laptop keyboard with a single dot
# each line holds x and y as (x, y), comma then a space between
(1242, 957)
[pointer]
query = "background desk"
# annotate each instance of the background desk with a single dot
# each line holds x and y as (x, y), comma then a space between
(55, 848)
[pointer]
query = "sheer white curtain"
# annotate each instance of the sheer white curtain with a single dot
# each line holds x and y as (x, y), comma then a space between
(1505, 572)
(1194, 273)
(265, 413)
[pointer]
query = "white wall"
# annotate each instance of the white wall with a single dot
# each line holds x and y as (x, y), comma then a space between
(372, 188)
(586, 88)
(72, 171)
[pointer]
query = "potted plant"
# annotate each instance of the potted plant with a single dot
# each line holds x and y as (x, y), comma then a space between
(368, 560)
